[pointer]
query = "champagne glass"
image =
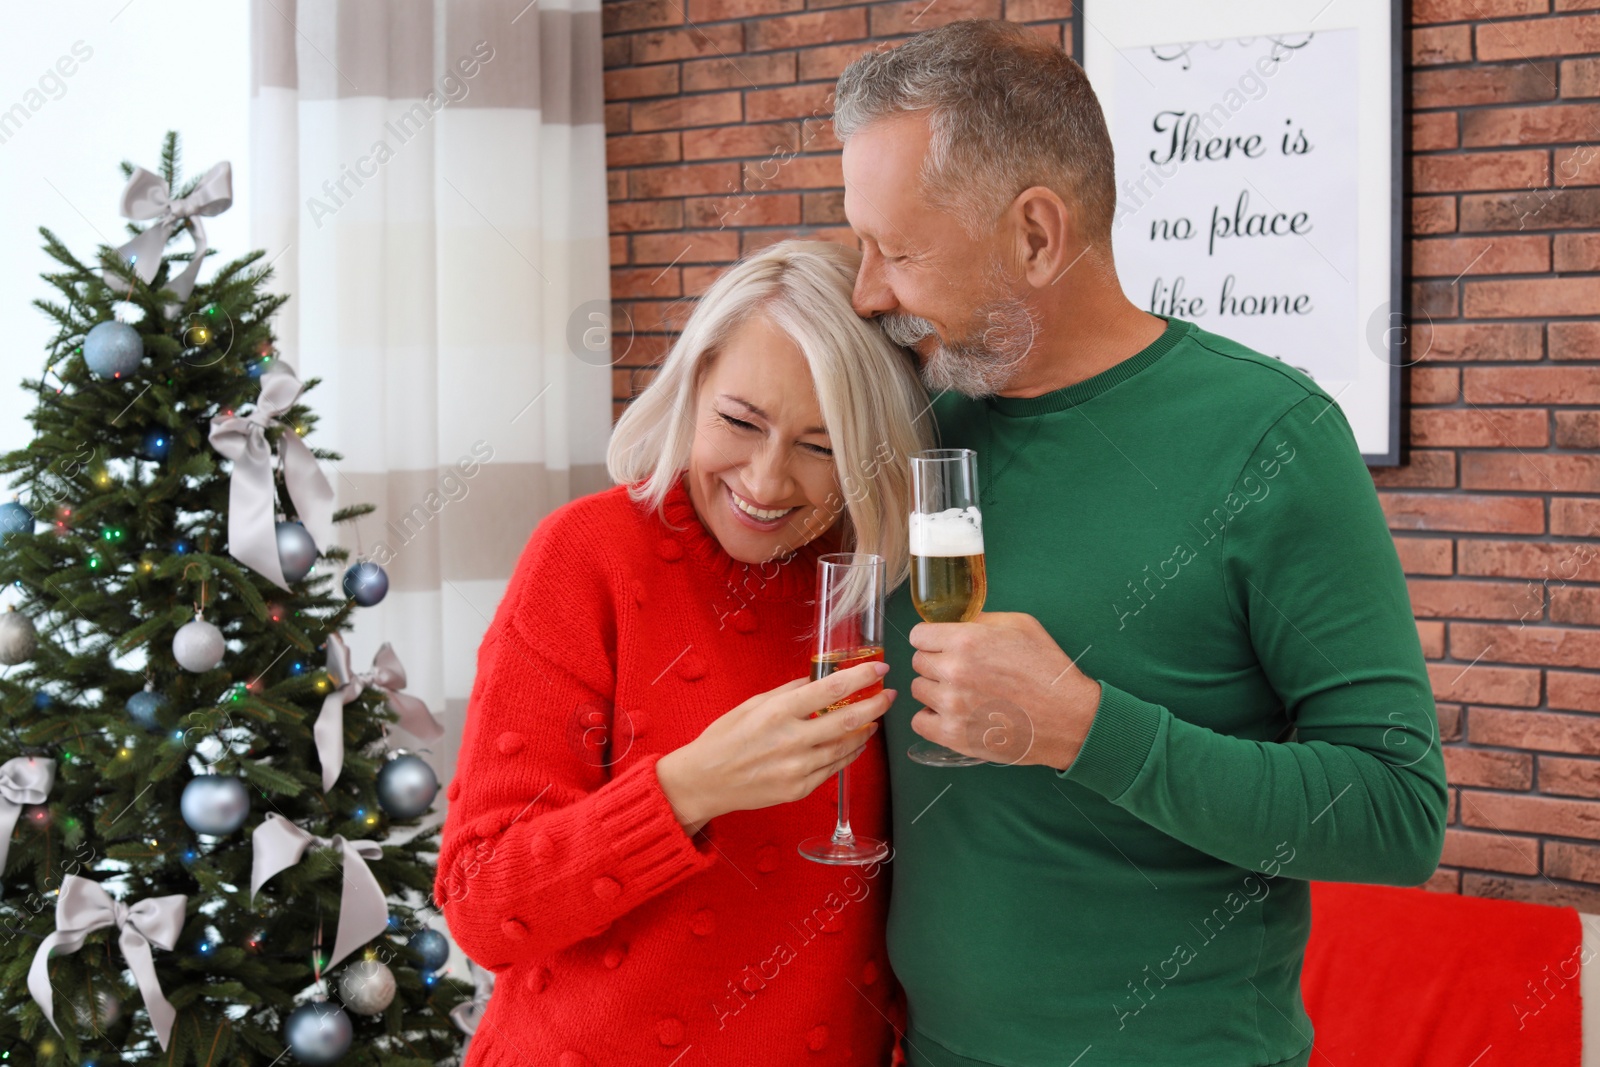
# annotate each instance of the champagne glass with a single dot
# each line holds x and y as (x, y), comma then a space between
(850, 595)
(948, 582)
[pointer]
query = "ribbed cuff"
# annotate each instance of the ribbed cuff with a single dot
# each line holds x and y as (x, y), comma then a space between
(1119, 742)
(650, 846)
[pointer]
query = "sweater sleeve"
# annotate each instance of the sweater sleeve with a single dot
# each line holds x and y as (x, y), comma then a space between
(546, 842)
(1313, 576)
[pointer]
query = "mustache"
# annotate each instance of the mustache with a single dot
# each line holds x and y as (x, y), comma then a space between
(905, 330)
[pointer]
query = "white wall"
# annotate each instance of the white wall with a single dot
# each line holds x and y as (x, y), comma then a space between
(153, 65)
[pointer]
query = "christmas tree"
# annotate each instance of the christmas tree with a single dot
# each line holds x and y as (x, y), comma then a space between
(179, 723)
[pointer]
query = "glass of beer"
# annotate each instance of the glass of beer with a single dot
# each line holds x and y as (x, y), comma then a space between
(948, 583)
(850, 596)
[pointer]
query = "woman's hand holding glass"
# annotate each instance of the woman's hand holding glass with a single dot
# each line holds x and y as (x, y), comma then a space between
(775, 748)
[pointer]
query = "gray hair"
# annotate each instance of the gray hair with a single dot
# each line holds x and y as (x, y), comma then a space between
(1007, 110)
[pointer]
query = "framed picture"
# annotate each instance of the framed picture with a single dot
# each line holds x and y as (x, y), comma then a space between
(1259, 181)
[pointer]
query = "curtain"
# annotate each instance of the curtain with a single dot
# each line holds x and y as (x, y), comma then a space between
(428, 180)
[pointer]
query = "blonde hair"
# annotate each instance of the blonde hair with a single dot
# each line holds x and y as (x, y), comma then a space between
(873, 403)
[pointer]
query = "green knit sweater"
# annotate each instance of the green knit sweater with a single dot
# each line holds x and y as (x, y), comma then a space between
(1196, 527)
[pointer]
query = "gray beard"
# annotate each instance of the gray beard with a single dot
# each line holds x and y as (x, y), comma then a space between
(978, 365)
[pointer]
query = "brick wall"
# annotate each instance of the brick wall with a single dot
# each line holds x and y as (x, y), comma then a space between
(719, 143)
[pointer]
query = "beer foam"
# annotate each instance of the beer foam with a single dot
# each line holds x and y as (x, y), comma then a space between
(956, 532)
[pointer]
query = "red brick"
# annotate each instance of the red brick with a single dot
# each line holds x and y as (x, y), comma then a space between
(666, 45)
(1541, 124)
(1530, 814)
(1531, 385)
(1467, 10)
(795, 102)
(1575, 340)
(1434, 45)
(1452, 813)
(822, 208)
(639, 15)
(800, 172)
(756, 240)
(1443, 880)
(652, 316)
(618, 248)
(1459, 511)
(1532, 209)
(1531, 891)
(1539, 37)
(1516, 83)
(630, 82)
(1530, 298)
(663, 215)
(1577, 863)
(1574, 516)
(714, 247)
(1574, 691)
(722, 10)
(1038, 10)
(1549, 645)
(1433, 214)
(1539, 730)
(1491, 851)
(773, 139)
(1459, 599)
(1449, 721)
(688, 180)
(914, 16)
(642, 148)
(1435, 300)
(1435, 385)
(1498, 341)
(712, 109)
(1580, 77)
(1431, 635)
(1479, 428)
(1576, 166)
(1455, 257)
(738, 72)
(1526, 559)
(696, 280)
(742, 209)
(812, 27)
(1536, 472)
(1577, 251)
(617, 117)
(1426, 555)
(1569, 777)
(1477, 684)
(631, 282)
(1578, 605)
(1434, 131)
(1424, 470)
(829, 61)
(616, 52)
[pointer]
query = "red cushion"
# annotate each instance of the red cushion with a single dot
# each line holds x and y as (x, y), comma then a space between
(1406, 976)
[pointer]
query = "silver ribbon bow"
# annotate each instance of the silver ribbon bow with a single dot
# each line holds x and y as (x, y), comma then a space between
(387, 675)
(278, 844)
(146, 196)
(469, 1013)
(252, 499)
(23, 780)
(84, 907)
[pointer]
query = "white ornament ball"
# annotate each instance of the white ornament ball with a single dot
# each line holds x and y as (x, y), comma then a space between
(215, 804)
(318, 1033)
(18, 639)
(367, 987)
(198, 646)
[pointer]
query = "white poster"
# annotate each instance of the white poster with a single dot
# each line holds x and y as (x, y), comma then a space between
(1238, 191)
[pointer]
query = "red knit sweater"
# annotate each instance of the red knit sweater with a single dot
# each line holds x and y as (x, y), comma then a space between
(618, 939)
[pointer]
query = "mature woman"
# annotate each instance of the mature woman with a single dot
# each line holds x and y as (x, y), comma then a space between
(640, 759)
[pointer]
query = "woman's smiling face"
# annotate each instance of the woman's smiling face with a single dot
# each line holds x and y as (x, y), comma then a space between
(761, 471)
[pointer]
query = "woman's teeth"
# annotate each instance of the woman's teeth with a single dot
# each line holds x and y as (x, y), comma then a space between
(762, 514)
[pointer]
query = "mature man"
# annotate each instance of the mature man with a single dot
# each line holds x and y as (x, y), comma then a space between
(1198, 681)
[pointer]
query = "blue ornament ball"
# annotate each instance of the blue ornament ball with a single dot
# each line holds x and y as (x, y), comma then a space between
(297, 553)
(214, 804)
(366, 583)
(406, 786)
(432, 947)
(318, 1033)
(15, 519)
(112, 350)
(143, 707)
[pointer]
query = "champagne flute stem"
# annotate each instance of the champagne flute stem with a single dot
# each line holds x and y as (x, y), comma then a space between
(841, 830)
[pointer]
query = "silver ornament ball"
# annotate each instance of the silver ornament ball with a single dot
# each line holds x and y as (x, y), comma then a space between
(198, 646)
(318, 1032)
(406, 787)
(112, 350)
(367, 987)
(215, 804)
(366, 583)
(18, 638)
(297, 553)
